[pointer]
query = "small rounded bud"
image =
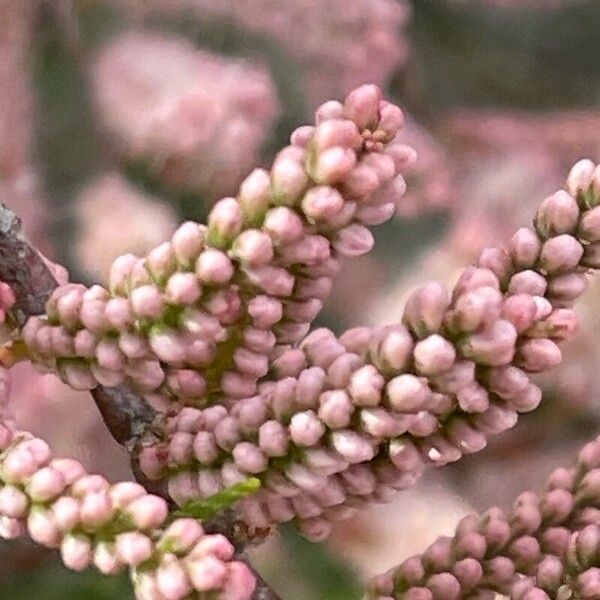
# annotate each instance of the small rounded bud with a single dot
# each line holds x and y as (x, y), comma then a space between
(561, 253)
(224, 222)
(214, 267)
(362, 106)
(434, 355)
(556, 215)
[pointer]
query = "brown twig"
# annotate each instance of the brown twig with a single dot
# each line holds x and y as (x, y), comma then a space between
(128, 417)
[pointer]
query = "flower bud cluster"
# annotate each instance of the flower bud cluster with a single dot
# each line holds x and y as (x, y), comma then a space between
(347, 421)
(112, 527)
(547, 547)
(195, 118)
(202, 314)
(346, 45)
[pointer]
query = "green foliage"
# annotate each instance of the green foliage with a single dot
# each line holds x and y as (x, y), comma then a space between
(213, 505)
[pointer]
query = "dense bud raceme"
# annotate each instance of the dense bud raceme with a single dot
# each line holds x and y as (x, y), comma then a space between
(219, 303)
(113, 527)
(547, 547)
(388, 402)
(199, 119)
(213, 327)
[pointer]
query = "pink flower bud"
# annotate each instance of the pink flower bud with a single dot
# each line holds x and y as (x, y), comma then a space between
(527, 400)
(527, 282)
(335, 409)
(273, 438)
(324, 462)
(76, 551)
(66, 513)
(147, 301)
(361, 182)
(42, 527)
(105, 558)
(520, 310)
(362, 106)
(249, 458)
(19, 465)
(304, 478)
(378, 423)
(407, 393)
(78, 376)
(336, 131)
(239, 582)
(253, 247)
(333, 165)
(258, 340)
(148, 512)
(171, 578)
(161, 261)
(301, 136)
(13, 502)
(227, 433)
(473, 278)
(133, 548)
(182, 487)
(213, 415)
(567, 287)
(214, 267)
(306, 429)
(120, 272)
(118, 313)
(351, 446)
(434, 355)
(180, 536)
(359, 479)
(288, 180)
(391, 119)
(224, 222)
(556, 215)
(96, 510)
(492, 347)
(375, 215)
(473, 398)
(205, 448)
(45, 484)
(474, 310)
(187, 242)
(236, 385)
(187, 383)
(365, 386)
(321, 202)
(288, 364)
(265, 311)
(537, 355)
(382, 164)
(167, 344)
(254, 195)
(182, 288)
(524, 248)
(580, 177)
(272, 280)
(425, 309)
(332, 109)
(354, 240)
(561, 253)
(283, 225)
(125, 492)
(206, 573)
